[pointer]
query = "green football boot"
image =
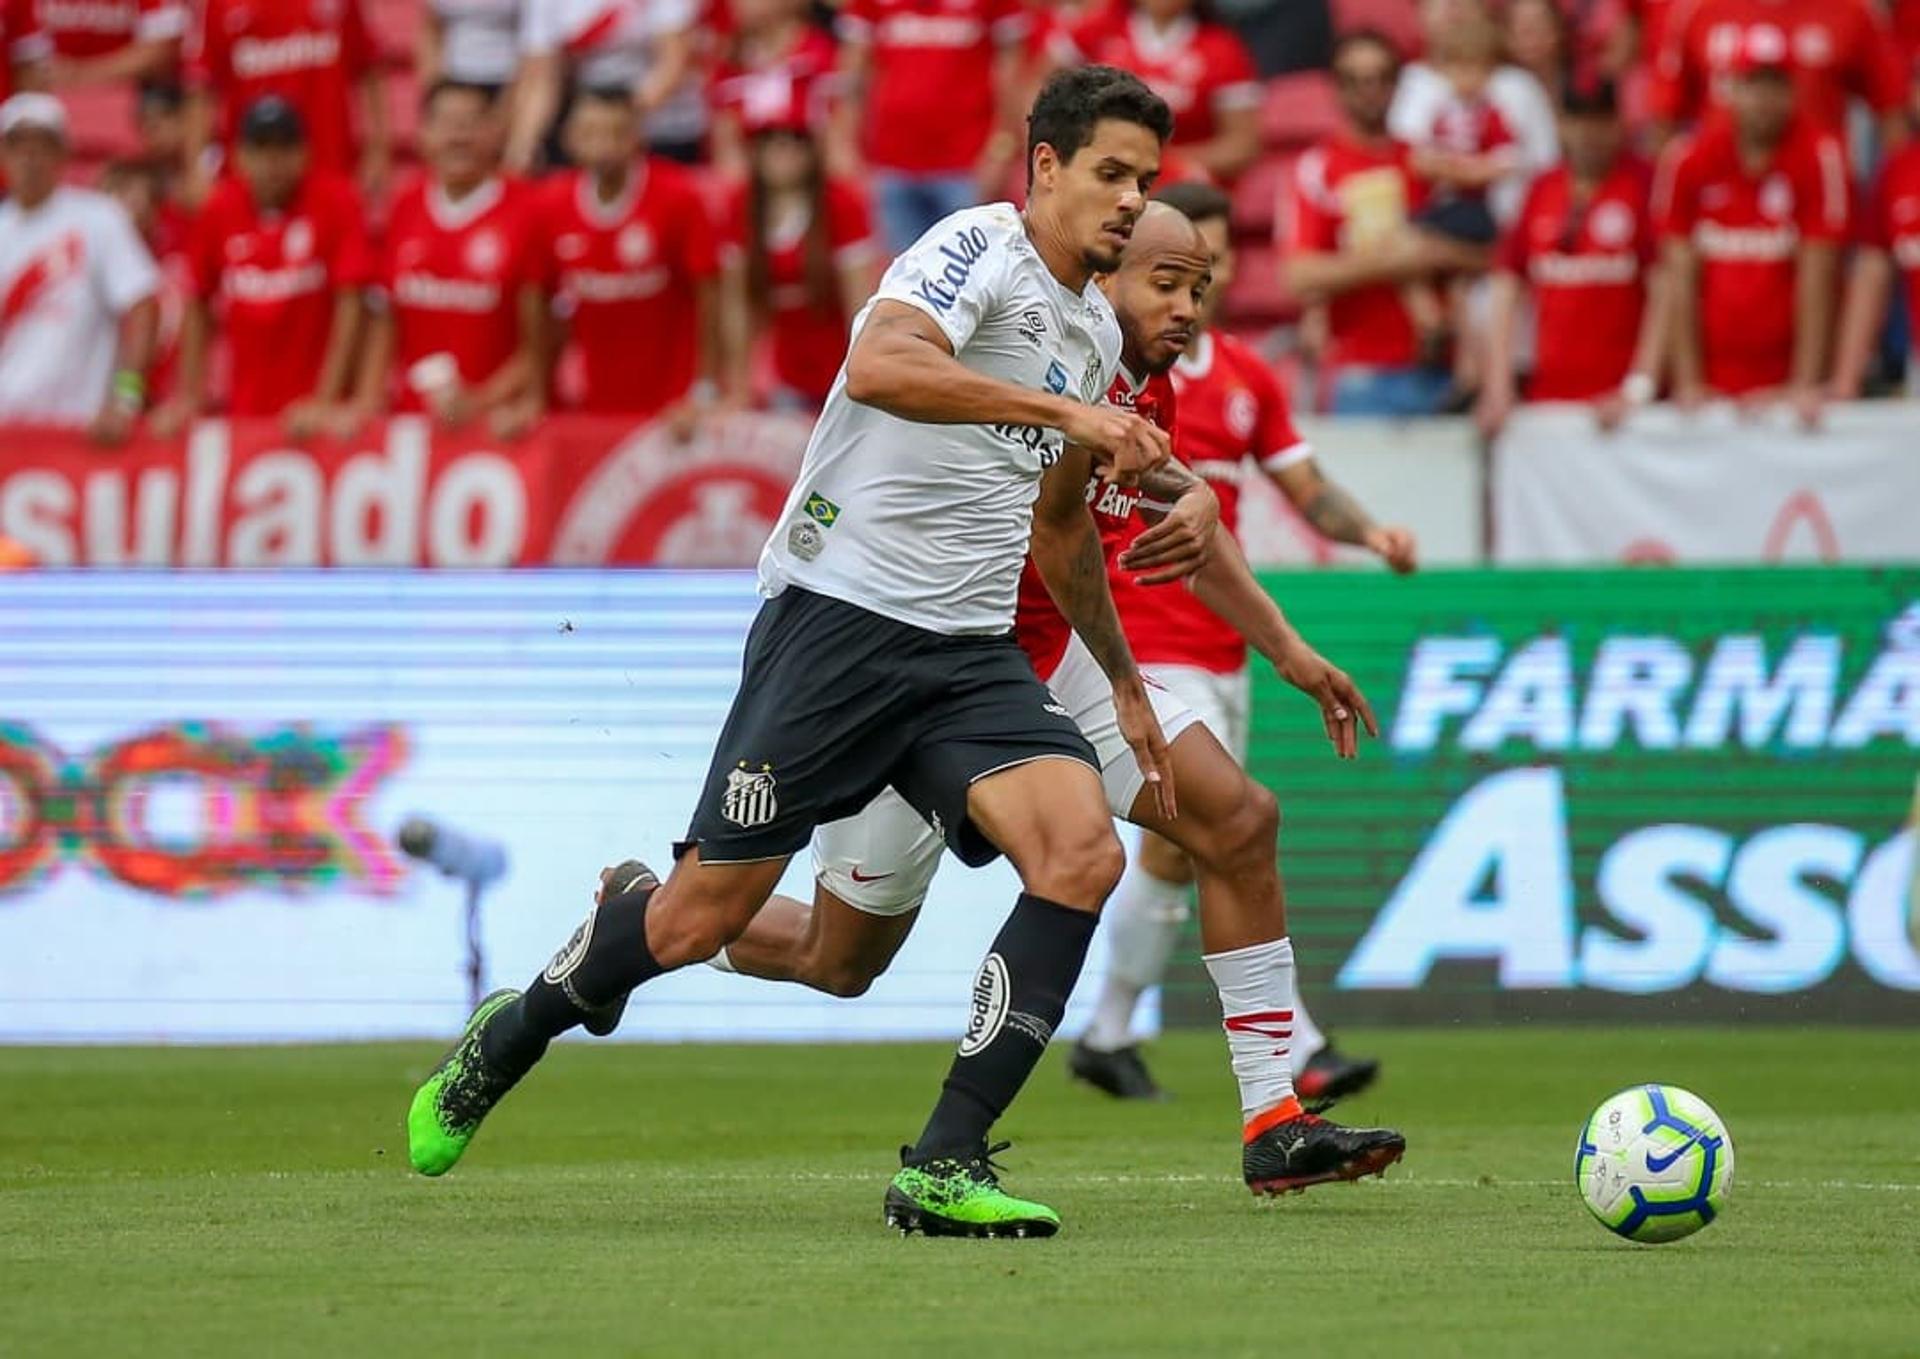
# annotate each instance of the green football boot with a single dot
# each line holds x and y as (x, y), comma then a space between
(449, 1105)
(961, 1196)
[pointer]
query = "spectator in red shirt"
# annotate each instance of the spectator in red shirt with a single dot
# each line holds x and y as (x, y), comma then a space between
(1889, 248)
(1835, 49)
(933, 100)
(113, 42)
(800, 260)
(1752, 211)
(1350, 247)
(141, 188)
(1583, 252)
(1198, 65)
(24, 49)
(460, 305)
(774, 59)
(629, 257)
(316, 55)
(280, 250)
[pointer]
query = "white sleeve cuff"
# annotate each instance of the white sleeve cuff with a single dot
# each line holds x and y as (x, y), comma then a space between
(1282, 459)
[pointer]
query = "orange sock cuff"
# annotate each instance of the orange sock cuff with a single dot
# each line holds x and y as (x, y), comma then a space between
(1286, 1109)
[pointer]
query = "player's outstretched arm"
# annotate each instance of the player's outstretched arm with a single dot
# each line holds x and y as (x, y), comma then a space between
(903, 363)
(1331, 509)
(1066, 550)
(1226, 585)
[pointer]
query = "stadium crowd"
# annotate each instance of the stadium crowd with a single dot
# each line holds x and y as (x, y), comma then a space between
(320, 211)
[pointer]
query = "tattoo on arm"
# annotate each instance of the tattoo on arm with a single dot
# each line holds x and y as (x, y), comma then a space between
(1075, 570)
(1335, 513)
(1169, 481)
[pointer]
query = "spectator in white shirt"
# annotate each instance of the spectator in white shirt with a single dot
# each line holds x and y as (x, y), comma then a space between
(469, 42)
(1425, 96)
(643, 46)
(78, 290)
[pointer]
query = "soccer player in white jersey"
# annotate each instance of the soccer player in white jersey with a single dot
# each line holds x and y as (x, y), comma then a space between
(884, 657)
(873, 870)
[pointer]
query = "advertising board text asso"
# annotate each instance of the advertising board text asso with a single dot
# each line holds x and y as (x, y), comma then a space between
(1600, 788)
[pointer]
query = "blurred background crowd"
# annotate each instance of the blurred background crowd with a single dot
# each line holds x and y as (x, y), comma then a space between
(323, 211)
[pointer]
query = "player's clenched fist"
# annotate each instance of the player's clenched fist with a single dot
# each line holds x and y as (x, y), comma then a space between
(1123, 445)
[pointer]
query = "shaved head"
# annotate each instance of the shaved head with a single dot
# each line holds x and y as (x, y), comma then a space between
(1164, 234)
(1157, 291)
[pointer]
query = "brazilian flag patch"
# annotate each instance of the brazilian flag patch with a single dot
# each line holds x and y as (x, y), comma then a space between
(821, 510)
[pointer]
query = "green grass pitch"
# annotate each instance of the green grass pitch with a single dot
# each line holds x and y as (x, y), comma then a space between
(726, 1201)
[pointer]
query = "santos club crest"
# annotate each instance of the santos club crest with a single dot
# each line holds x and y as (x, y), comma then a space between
(749, 799)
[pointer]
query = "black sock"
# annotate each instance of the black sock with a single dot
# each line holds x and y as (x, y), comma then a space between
(606, 958)
(1018, 998)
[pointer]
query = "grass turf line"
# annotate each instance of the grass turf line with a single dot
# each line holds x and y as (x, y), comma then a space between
(720, 1201)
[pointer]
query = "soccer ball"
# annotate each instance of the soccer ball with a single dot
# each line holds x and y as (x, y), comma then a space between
(1654, 1163)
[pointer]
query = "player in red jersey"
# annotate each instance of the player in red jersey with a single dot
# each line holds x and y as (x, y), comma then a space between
(1232, 411)
(317, 55)
(630, 258)
(1889, 248)
(281, 250)
(1198, 65)
(111, 42)
(460, 281)
(799, 258)
(873, 869)
(1835, 49)
(1752, 212)
(1583, 251)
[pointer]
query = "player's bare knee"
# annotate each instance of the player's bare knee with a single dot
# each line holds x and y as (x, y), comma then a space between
(1245, 837)
(1081, 870)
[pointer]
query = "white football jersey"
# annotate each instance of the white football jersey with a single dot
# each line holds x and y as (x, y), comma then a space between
(69, 270)
(928, 524)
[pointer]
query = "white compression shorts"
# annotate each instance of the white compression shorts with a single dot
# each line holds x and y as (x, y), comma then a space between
(882, 859)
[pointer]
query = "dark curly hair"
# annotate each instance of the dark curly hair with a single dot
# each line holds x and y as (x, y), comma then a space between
(1074, 101)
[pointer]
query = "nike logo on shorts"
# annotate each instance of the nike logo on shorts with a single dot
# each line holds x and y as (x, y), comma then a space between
(858, 876)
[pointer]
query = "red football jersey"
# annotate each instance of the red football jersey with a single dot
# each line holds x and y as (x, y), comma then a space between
(1893, 220)
(276, 276)
(1747, 230)
(1346, 194)
(95, 28)
(1232, 409)
(1836, 48)
(625, 275)
(22, 41)
(800, 78)
(1038, 625)
(1585, 265)
(1906, 30)
(808, 337)
(309, 52)
(453, 274)
(171, 242)
(930, 102)
(1200, 69)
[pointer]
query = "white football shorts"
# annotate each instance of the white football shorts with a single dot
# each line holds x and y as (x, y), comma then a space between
(1223, 701)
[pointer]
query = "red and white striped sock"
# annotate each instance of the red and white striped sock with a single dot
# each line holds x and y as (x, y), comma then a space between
(1256, 1002)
